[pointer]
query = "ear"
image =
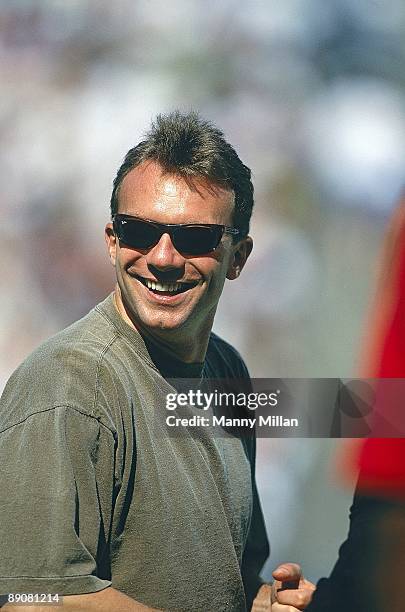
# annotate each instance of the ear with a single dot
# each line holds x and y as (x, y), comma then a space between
(111, 242)
(242, 251)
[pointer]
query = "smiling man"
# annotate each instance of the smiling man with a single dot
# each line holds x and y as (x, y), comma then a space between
(98, 503)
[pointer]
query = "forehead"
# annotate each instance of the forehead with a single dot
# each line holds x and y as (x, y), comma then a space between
(149, 191)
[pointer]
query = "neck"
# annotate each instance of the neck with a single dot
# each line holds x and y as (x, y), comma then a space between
(189, 348)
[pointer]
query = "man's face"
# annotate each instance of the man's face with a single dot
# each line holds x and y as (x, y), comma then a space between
(148, 193)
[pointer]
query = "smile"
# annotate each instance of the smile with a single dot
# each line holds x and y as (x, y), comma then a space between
(166, 288)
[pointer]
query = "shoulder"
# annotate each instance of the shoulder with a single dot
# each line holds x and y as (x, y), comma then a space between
(224, 359)
(63, 371)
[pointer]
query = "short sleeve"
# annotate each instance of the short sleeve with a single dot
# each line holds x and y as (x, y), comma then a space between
(56, 483)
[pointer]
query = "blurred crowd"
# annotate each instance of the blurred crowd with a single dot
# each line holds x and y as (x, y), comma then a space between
(312, 96)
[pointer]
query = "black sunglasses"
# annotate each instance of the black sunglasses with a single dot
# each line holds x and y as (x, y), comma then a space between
(187, 238)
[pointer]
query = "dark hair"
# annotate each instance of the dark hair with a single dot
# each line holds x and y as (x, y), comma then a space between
(191, 147)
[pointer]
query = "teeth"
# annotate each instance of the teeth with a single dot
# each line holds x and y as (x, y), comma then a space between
(164, 287)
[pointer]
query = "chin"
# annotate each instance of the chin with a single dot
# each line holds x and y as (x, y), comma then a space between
(163, 325)
(158, 323)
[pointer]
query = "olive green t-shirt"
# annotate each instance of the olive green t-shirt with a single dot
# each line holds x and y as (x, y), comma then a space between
(93, 492)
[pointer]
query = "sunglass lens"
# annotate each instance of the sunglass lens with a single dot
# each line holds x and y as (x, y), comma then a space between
(197, 240)
(139, 234)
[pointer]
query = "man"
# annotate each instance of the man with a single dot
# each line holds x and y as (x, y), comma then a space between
(368, 574)
(98, 503)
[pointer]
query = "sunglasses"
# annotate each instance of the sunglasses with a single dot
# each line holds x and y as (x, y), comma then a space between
(187, 238)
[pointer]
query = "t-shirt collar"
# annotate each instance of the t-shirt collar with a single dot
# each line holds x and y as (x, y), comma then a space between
(157, 355)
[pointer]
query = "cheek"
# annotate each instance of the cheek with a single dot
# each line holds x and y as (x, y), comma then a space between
(127, 258)
(212, 265)
(219, 264)
(204, 268)
(214, 274)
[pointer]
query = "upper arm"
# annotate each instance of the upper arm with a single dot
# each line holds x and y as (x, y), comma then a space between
(54, 509)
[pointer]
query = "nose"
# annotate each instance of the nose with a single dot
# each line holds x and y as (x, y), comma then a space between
(163, 257)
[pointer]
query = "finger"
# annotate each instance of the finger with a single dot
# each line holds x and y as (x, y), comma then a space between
(282, 586)
(288, 572)
(277, 587)
(298, 598)
(261, 607)
(276, 607)
(287, 585)
(262, 600)
(307, 584)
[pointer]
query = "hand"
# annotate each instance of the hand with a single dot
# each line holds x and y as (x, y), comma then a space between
(290, 592)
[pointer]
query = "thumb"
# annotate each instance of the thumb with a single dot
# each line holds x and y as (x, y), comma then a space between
(289, 574)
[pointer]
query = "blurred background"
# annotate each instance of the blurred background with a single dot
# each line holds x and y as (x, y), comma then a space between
(312, 96)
